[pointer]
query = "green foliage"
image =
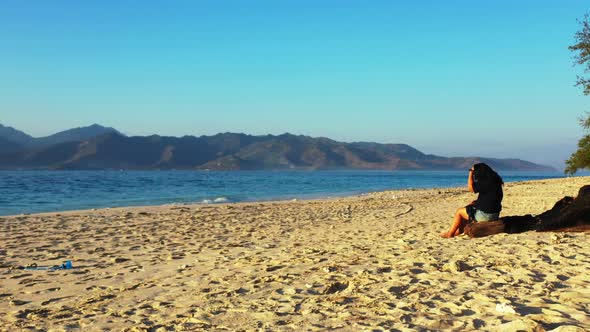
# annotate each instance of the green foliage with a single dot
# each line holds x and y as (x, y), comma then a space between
(585, 122)
(582, 52)
(581, 158)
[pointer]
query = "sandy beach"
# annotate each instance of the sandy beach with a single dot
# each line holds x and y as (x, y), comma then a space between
(366, 263)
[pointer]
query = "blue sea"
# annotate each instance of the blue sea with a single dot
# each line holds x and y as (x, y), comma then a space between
(50, 191)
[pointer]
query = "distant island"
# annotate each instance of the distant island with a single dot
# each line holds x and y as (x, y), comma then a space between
(98, 147)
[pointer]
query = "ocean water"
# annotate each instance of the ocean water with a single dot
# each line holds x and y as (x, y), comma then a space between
(49, 191)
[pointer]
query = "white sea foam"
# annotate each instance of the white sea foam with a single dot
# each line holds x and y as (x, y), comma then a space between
(217, 200)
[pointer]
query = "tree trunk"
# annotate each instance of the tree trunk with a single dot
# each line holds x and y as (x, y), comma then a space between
(481, 229)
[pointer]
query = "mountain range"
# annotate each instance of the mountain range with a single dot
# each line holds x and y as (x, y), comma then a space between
(98, 147)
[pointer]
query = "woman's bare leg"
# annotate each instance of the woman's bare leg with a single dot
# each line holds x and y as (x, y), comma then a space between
(459, 221)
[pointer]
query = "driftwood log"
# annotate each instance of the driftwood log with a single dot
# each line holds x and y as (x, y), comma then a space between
(567, 215)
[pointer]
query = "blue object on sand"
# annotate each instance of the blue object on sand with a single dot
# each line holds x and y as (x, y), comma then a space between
(67, 265)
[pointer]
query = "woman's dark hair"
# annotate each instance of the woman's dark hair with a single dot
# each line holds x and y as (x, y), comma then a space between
(485, 173)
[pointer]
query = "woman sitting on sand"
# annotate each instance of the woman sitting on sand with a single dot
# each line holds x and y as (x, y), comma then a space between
(485, 181)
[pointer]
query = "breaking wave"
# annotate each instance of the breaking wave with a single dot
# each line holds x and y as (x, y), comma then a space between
(217, 200)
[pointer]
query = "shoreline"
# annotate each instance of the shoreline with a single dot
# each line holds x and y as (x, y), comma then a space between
(361, 262)
(309, 197)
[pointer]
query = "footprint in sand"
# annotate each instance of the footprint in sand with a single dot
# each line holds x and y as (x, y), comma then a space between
(120, 260)
(384, 269)
(96, 288)
(54, 289)
(18, 302)
(289, 291)
(398, 291)
(33, 314)
(336, 287)
(274, 268)
(28, 282)
(65, 315)
(100, 298)
(176, 255)
(55, 299)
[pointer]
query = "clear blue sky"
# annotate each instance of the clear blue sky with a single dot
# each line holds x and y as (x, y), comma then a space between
(454, 78)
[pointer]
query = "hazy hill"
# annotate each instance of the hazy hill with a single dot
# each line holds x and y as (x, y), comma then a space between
(15, 136)
(71, 135)
(229, 151)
